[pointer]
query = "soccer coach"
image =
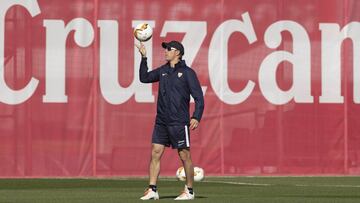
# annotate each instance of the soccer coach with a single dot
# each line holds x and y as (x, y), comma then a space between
(177, 82)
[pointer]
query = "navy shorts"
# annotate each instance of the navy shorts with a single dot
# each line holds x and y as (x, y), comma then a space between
(176, 136)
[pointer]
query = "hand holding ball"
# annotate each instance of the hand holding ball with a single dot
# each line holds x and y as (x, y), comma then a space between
(142, 32)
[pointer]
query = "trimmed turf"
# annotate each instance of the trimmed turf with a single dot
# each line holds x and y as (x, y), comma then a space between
(232, 189)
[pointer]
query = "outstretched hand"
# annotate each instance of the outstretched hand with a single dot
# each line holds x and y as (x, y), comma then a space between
(141, 48)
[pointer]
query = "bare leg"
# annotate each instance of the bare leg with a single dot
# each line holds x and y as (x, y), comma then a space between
(185, 157)
(154, 169)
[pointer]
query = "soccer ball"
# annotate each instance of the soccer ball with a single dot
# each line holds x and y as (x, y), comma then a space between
(143, 32)
(198, 174)
(180, 174)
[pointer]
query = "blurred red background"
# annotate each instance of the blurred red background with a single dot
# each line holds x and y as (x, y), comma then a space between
(87, 136)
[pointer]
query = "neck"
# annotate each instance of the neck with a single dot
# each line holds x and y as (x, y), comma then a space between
(173, 62)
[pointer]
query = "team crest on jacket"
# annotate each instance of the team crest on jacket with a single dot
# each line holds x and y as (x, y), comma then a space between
(179, 74)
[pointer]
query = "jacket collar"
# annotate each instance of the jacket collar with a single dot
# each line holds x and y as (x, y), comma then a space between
(178, 65)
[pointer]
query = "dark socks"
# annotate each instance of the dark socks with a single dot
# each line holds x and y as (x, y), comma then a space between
(153, 187)
(191, 191)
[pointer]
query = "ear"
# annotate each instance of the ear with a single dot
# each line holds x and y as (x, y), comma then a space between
(178, 52)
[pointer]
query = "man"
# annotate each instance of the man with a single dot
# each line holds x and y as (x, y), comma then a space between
(176, 83)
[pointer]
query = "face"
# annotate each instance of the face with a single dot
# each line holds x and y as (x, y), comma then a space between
(171, 54)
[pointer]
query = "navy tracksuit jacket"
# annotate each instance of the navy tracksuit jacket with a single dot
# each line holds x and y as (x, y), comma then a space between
(175, 86)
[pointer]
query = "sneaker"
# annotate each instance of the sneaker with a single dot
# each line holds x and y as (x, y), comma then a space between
(150, 194)
(185, 195)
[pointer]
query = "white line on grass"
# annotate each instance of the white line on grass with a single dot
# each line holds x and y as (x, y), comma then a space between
(237, 183)
(345, 186)
(296, 185)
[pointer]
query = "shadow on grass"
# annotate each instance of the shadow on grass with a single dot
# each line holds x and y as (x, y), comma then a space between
(173, 197)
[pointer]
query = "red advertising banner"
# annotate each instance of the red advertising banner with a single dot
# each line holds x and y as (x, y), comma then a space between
(281, 82)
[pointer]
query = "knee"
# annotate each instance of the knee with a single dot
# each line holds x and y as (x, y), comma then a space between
(184, 155)
(156, 153)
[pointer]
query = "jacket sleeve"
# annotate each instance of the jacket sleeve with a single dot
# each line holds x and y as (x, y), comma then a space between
(145, 76)
(197, 93)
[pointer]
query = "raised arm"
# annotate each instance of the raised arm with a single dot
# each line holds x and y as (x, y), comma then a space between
(145, 76)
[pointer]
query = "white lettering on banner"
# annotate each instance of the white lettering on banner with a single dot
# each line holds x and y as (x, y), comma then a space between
(332, 39)
(300, 59)
(8, 95)
(56, 37)
(111, 90)
(195, 32)
(218, 63)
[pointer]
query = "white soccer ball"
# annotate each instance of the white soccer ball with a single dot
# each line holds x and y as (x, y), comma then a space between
(180, 174)
(198, 174)
(143, 32)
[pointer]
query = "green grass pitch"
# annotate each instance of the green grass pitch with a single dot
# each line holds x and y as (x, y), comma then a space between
(212, 189)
